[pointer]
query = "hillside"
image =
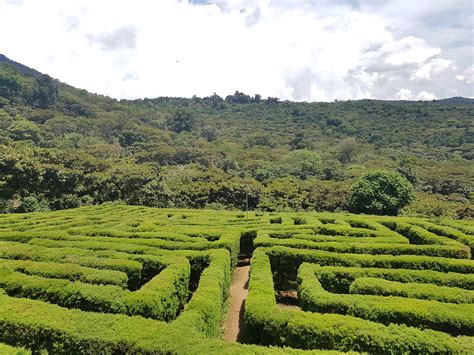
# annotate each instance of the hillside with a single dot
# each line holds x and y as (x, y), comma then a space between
(63, 147)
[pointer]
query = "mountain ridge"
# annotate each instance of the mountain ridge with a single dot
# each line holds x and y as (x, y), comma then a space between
(24, 69)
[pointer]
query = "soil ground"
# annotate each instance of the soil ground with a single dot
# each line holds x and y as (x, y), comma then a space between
(235, 324)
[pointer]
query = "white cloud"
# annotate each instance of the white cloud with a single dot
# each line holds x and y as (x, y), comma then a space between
(404, 94)
(301, 50)
(467, 76)
(432, 69)
(424, 95)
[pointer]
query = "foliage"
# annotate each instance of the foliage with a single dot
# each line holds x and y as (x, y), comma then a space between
(380, 192)
(181, 121)
(10, 86)
(46, 92)
(73, 148)
(131, 279)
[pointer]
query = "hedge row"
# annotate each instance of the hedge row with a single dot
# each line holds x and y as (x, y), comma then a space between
(358, 232)
(160, 298)
(272, 325)
(68, 271)
(447, 232)
(108, 260)
(228, 240)
(39, 325)
(459, 225)
(418, 235)
(458, 252)
(381, 287)
(457, 319)
(309, 235)
(129, 259)
(10, 350)
(286, 261)
(339, 279)
(92, 231)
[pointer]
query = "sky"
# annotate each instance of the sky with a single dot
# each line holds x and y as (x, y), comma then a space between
(320, 50)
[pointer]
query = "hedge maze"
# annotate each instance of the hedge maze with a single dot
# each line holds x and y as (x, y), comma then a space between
(116, 279)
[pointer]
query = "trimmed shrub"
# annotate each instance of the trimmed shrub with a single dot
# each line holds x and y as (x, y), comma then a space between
(380, 287)
(271, 325)
(457, 319)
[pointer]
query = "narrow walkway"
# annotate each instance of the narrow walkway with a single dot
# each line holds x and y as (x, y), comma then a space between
(235, 324)
(288, 300)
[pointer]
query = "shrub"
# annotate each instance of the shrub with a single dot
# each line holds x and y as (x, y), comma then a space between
(447, 317)
(270, 325)
(376, 286)
(380, 192)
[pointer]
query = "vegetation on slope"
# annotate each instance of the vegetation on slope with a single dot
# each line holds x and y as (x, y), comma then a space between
(62, 147)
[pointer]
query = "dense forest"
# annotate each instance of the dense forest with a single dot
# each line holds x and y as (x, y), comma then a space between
(62, 147)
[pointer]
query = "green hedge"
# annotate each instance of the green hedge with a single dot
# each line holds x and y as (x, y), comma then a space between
(458, 252)
(447, 232)
(339, 278)
(381, 287)
(105, 260)
(418, 235)
(271, 325)
(40, 325)
(286, 261)
(306, 234)
(109, 244)
(10, 350)
(457, 319)
(358, 232)
(459, 225)
(68, 271)
(160, 298)
(229, 241)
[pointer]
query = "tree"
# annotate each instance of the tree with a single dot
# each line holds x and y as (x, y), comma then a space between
(304, 163)
(281, 195)
(214, 101)
(406, 167)
(300, 142)
(209, 133)
(347, 149)
(181, 121)
(381, 192)
(10, 86)
(31, 203)
(46, 93)
(239, 98)
(24, 130)
(130, 137)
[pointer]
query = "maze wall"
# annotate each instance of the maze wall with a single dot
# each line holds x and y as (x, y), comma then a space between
(120, 279)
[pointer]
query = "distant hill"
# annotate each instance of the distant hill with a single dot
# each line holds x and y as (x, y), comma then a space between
(458, 100)
(20, 67)
(62, 147)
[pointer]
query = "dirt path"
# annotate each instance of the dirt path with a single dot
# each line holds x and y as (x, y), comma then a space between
(234, 324)
(288, 300)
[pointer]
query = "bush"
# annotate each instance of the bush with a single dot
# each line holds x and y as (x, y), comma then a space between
(447, 317)
(269, 324)
(380, 287)
(31, 204)
(381, 192)
(181, 121)
(339, 279)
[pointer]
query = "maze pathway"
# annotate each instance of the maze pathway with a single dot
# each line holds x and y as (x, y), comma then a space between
(128, 279)
(235, 323)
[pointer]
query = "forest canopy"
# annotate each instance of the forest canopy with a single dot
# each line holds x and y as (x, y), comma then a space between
(63, 147)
